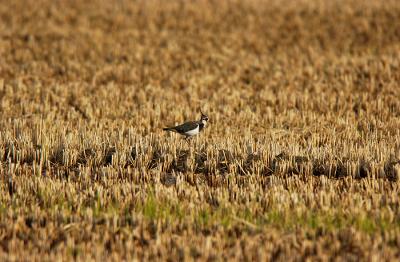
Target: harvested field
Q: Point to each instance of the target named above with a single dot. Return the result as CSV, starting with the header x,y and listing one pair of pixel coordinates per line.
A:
x,y
300,160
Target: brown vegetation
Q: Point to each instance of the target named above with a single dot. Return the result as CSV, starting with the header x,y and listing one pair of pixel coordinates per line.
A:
x,y
301,159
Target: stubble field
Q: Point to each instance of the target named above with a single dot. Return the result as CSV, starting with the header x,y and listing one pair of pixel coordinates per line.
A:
x,y
300,160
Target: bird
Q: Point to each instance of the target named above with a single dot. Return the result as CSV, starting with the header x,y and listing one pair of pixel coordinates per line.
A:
x,y
191,128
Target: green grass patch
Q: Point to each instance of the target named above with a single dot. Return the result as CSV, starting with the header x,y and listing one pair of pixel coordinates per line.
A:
x,y
288,220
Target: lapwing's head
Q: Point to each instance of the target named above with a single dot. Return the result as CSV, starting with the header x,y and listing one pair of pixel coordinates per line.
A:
x,y
204,118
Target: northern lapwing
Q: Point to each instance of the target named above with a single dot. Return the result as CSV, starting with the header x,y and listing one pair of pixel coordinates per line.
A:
x,y
191,128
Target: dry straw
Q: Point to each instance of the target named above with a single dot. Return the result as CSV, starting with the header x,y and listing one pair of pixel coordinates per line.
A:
x,y
300,159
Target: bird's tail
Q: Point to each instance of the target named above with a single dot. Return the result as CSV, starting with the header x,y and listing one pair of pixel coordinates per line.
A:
x,y
168,129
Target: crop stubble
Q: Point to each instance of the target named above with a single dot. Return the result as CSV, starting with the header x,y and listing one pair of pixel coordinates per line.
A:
x,y
300,160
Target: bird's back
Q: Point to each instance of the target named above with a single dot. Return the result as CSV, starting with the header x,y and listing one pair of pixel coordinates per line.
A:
x,y
183,128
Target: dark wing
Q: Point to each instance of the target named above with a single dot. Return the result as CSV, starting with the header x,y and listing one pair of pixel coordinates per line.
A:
x,y
186,127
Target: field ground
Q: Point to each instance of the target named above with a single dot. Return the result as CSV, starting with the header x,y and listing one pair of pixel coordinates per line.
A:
x,y
301,159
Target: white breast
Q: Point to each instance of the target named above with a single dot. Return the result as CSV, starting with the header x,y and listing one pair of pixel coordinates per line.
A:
x,y
192,132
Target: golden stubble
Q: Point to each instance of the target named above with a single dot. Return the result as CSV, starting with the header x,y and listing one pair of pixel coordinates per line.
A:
x,y
300,159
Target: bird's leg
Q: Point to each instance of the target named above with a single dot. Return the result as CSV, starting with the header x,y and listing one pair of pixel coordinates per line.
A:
x,y
187,139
